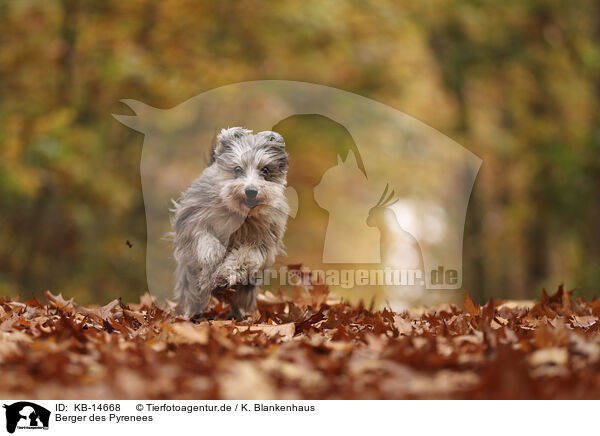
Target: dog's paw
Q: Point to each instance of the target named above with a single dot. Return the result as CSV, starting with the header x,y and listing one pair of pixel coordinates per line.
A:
x,y
222,281
227,276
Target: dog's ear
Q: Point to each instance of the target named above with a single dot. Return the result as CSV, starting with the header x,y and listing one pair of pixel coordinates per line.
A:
x,y
227,138
274,145
272,138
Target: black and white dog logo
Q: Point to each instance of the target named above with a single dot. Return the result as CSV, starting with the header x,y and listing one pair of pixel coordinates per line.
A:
x,y
26,415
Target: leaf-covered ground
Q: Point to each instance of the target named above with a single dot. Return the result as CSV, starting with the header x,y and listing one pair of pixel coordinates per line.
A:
x,y
304,347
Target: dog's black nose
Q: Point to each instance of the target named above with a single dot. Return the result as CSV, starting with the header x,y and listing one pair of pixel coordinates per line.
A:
x,y
251,192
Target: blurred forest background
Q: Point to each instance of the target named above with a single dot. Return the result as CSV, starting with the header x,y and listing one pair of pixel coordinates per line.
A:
x,y
517,82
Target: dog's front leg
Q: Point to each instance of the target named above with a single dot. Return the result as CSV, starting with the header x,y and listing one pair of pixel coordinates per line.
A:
x,y
240,267
197,255
210,251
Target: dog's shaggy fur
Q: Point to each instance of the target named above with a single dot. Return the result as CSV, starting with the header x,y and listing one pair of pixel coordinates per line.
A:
x,y
229,224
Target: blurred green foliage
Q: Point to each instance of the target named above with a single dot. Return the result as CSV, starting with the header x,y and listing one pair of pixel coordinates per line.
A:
x,y
516,81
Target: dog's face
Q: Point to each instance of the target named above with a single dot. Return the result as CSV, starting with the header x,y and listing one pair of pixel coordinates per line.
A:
x,y
252,170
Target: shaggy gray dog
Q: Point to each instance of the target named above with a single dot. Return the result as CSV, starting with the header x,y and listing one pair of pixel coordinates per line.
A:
x,y
229,224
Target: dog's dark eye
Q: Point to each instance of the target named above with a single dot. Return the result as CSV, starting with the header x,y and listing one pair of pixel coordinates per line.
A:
x,y
238,171
265,171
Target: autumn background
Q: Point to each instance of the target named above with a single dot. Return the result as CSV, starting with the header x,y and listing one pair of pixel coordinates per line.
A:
x,y
516,82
